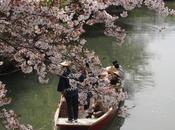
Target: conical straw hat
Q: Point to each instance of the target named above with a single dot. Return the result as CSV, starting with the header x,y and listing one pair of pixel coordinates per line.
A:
x,y
1,62
65,63
112,69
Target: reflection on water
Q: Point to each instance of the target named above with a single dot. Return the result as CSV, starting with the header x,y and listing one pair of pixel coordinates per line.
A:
x,y
155,106
37,103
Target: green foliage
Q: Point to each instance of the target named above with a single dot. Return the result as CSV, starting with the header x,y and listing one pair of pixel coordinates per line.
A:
x,y
170,4
63,3
50,3
47,2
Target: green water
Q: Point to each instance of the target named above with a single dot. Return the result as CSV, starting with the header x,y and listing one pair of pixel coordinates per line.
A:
x,y
35,103
146,56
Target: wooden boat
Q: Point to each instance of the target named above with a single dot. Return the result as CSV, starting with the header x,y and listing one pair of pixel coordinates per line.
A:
x,y
83,123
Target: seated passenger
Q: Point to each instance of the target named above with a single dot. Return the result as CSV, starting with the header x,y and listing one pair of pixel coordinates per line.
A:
x,y
119,68
114,76
116,73
94,110
98,108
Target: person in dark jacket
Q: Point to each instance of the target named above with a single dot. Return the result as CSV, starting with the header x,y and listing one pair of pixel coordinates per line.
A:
x,y
69,92
119,68
64,80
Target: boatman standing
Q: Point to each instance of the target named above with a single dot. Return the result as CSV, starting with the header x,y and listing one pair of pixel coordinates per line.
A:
x,y
69,92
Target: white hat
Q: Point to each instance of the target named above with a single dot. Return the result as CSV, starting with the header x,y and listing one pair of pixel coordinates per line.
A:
x,y
1,62
65,63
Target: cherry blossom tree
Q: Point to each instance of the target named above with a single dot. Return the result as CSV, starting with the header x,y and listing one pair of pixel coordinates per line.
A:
x,y
38,35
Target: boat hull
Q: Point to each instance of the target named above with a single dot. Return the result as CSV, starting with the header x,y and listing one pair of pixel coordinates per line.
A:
x,y
97,126
83,124
103,123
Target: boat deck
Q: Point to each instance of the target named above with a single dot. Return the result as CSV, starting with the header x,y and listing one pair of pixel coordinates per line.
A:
x,y
81,122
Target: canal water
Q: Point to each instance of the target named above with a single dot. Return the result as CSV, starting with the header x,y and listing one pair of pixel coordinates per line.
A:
x,y
148,59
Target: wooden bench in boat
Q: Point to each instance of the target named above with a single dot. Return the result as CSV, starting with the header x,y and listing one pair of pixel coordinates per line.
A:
x,y
81,122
